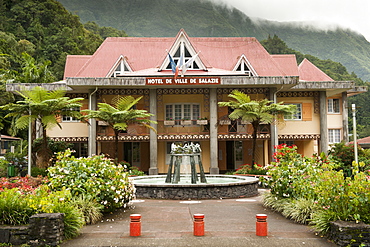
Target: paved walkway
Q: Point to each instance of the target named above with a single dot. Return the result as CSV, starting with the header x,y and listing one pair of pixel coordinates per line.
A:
x,y
228,222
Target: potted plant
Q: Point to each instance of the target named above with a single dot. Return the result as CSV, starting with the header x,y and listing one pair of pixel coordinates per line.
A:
x,y
169,121
225,122
185,122
202,121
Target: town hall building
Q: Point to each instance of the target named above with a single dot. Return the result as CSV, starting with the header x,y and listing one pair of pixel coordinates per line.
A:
x,y
182,79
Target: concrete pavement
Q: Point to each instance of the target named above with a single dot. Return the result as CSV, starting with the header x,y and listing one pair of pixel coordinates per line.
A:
x,y
228,222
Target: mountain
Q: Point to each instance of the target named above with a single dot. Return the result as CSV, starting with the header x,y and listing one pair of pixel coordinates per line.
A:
x,y
202,18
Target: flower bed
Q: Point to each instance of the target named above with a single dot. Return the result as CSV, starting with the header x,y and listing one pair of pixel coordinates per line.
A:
x,y
78,188
96,177
312,190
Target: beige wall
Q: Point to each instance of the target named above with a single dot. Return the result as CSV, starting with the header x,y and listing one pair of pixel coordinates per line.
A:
x,y
69,129
335,121
300,126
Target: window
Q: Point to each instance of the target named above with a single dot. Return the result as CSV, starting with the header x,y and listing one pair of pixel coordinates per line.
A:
x,y
243,67
333,106
121,69
187,56
186,111
71,119
297,115
334,135
80,149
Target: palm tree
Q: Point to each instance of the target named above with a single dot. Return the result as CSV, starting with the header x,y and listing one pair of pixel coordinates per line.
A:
x,y
45,107
119,115
256,112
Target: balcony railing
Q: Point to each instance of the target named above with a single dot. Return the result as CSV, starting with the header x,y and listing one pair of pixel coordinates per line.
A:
x,y
187,127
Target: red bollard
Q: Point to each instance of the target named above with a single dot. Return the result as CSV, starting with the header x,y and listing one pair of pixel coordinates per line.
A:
x,y
261,225
198,224
135,225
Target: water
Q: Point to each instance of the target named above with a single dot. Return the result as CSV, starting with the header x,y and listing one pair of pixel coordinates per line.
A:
x,y
187,180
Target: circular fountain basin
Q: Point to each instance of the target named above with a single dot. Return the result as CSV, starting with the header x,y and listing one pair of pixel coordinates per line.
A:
x,y
217,186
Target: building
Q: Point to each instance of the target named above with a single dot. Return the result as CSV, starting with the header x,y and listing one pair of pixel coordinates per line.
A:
x,y
211,69
6,144
363,142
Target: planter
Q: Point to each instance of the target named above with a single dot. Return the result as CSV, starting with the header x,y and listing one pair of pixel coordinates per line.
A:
x,y
169,122
225,122
202,122
185,122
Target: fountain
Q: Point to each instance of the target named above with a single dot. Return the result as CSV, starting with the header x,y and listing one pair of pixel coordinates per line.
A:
x,y
183,187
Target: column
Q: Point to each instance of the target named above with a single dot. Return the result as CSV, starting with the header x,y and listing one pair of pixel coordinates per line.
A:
x,y
345,116
324,143
273,128
153,143
92,125
213,140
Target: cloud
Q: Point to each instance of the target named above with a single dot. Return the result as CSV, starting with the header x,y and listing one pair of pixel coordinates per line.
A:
x,y
323,14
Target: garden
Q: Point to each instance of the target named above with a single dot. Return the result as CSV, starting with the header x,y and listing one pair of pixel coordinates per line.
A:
x,y
83,189
320,189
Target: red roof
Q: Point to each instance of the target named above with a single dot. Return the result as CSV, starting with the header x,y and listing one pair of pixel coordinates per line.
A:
x,y
309,72
365,140
74,64
287,63
219,55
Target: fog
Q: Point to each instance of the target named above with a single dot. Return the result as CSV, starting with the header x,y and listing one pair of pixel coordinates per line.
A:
x,y
322,14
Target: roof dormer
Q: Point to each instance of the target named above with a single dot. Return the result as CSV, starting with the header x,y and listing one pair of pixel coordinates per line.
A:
x,y
183,54
120,68
244,66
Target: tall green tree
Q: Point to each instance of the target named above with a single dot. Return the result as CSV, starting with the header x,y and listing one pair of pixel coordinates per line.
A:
x,y
256,112
44,107
119,115
33,72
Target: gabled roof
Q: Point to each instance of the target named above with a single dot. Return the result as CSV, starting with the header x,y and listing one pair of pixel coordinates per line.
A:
x,y
363,141
309,72
74,63
146,55
287,63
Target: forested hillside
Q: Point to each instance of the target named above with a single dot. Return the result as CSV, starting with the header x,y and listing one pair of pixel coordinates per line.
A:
x,y
47,31
152,18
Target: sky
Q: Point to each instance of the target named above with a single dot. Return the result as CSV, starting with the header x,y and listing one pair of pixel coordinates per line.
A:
x,y
324,14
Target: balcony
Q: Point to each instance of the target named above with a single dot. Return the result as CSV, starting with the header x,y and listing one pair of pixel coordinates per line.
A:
x,y
168,129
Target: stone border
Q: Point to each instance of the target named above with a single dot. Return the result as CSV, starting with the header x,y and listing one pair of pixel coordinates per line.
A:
x,y
243,187
42,230
349,233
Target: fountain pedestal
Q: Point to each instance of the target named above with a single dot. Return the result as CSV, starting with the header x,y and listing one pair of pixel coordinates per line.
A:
x,y
175,164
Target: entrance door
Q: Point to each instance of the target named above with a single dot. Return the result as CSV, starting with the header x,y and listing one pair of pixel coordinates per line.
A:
x,y
131,153
234,154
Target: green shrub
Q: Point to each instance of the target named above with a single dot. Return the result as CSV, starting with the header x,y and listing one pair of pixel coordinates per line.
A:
x,y
313,190
90,208
96,177
3,168
14,209
73,218
45,201
344,155
248,169
132,170
38,171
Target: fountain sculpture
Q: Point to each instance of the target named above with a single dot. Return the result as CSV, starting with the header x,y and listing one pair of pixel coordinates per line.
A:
x,y
175,185
178,152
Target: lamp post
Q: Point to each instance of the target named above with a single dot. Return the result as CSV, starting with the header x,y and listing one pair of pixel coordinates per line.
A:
x,y
29,144
354,132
